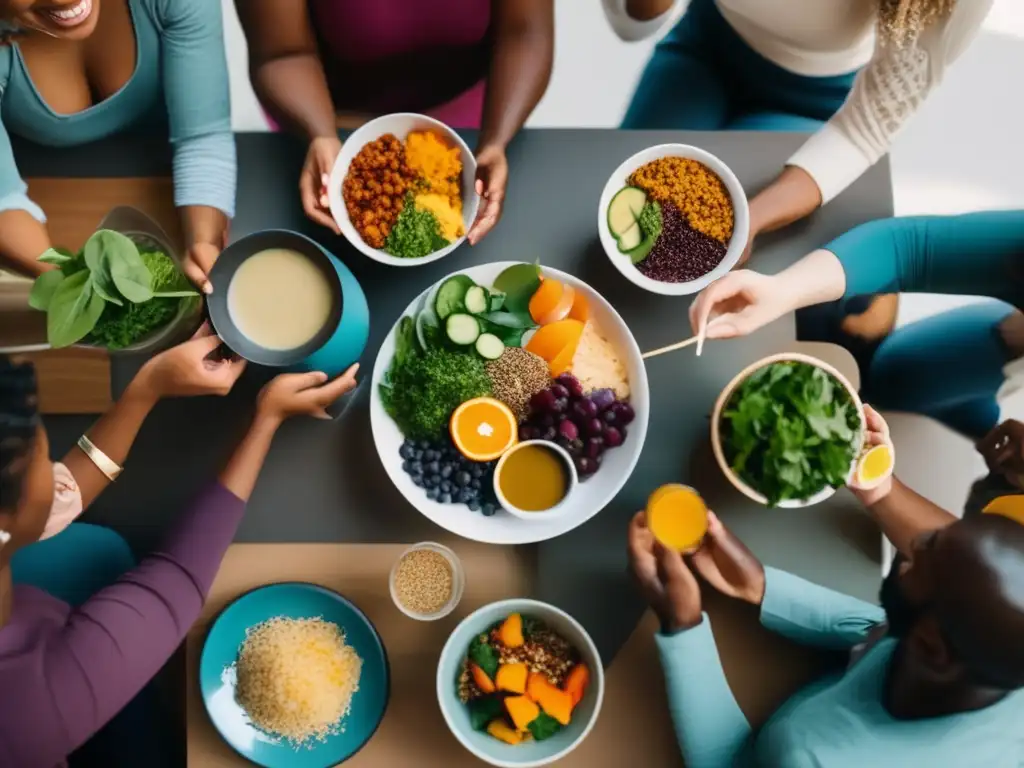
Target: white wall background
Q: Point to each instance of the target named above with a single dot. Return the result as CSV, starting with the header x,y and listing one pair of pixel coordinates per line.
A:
x,y
964,151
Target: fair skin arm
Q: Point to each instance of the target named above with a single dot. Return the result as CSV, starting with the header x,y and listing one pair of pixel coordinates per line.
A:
x,y
791,197
22,241
182,370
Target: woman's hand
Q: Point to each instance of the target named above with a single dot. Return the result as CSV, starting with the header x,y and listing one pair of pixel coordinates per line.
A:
x,y
664,578
738,304
1003,451
877,434
726,564
199,260
292,394
190,369
491,179
316,173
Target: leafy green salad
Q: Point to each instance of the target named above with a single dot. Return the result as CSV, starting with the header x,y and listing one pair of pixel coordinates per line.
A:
x,y
789,430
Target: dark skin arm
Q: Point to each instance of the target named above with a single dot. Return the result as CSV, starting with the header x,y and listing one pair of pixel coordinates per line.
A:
x,y
206,235
521,59
645,10
22,241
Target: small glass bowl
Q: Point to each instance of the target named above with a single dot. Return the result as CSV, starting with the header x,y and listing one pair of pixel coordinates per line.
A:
x,y
458,581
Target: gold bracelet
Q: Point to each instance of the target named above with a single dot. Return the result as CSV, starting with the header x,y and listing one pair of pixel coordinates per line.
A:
x,y
110,468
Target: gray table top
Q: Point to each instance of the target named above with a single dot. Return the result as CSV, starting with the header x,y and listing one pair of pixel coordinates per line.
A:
x,y
324,482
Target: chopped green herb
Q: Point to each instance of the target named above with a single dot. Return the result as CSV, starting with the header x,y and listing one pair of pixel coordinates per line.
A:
x,y
483,710
790,430
484,656
416,233
650,219
544,727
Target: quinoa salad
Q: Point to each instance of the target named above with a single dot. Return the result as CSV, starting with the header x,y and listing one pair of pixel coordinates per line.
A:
x,y
521,681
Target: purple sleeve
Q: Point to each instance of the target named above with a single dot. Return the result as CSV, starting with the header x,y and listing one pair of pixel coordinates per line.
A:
x,y
115,643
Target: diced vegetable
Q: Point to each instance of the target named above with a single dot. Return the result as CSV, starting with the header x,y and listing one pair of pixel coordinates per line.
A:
x,y
535,684
484,656
512,677
489,346
451,296
630,239
576,682
511,632
522,711
624,209
500,730
461,329
483,682
483,711
476,300
553,700
544,726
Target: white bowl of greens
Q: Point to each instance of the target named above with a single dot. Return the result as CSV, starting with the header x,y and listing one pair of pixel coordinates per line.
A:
x,y
787,430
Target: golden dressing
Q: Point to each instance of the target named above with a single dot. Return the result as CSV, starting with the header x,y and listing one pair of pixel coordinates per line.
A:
x,y
534,478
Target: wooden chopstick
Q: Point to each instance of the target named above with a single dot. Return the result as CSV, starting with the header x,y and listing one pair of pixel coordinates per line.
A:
x,y
698,340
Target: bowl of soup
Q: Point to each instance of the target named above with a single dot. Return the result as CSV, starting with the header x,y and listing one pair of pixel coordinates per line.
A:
x,y
281,300
534,479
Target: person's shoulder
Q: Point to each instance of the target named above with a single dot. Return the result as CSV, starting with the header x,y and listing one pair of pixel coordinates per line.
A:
x,y
169,12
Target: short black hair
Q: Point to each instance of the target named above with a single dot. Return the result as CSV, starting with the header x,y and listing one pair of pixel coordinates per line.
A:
x,y
19,420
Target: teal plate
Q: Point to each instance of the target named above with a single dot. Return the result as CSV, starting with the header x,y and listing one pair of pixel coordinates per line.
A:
x,y
294,601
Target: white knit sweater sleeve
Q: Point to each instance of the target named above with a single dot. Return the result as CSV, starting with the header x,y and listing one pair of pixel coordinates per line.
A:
x,y
631,30
885,94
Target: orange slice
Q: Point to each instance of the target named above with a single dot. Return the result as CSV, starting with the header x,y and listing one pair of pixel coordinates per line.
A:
x,y
551,302
875,465
483,429
551,340
677,516
580,308
1007,506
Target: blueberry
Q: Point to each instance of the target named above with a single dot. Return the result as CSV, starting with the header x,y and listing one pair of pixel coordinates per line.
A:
x,y
446,471
446,486
416,467
424,445
407,467
476,485
445,498
417,480
417,455
465,498
462,478
432,481
406,451
432,494
488,509
434,467
477,472
474,505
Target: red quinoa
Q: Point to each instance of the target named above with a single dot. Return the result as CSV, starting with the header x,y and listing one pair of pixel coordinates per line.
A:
x,y
681,253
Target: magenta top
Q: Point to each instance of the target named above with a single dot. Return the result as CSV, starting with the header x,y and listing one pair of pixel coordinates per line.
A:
x,y
65,672
428,56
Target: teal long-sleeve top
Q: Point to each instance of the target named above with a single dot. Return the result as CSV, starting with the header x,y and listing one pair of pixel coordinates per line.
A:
x,y
838,721
179,87
972,254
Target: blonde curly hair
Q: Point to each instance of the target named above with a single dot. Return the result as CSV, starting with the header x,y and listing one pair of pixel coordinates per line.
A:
x,y
900,22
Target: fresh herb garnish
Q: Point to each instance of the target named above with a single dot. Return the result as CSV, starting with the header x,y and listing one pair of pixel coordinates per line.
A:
x,y
790,430
484,656
416,233
650,220
483,710
544,726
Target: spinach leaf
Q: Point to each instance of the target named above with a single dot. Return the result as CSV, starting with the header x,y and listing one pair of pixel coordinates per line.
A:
x,y
790,430
519,282
58,256
484,656
483,710
43,289
518,320
121,258
544,727
73,310
405,341
97,259
174,294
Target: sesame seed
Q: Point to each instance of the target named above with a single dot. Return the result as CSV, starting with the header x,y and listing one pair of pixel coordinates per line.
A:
x,y
423,581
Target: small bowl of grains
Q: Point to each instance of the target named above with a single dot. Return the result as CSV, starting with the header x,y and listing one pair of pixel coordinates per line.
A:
x,y
673,219
427,581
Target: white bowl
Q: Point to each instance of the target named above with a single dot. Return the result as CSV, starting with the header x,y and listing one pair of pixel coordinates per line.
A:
x,y
545,514
590,496
723,398
740,230
458,581
529,754
401,124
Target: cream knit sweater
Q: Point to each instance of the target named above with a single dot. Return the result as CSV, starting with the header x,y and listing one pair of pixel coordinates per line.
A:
x,y
830,37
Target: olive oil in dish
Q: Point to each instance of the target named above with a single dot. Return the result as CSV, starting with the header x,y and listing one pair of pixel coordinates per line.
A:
x,y
534,478
279,299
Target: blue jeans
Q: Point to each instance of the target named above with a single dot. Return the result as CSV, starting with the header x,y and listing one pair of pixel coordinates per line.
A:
x,y
704,77
72,566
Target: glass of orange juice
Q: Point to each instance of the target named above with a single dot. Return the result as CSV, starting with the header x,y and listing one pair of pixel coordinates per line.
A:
x,y
677,516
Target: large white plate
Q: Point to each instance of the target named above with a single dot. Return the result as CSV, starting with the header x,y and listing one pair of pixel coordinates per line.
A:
x,y
587,500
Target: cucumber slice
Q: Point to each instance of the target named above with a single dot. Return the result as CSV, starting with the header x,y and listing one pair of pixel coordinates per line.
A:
x,y
462,329
624,209
497,301
426,328
643,250
476,300
451,296
489,346
631,238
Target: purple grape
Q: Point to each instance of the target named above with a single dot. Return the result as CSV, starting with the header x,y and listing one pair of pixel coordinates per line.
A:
x,y
571,383
594,447
528,432
558,390
585,467
549,434
613,438
602,398
593,427
561,405
546,420
584,409
610,417
542,401
575,447
568,430
623,413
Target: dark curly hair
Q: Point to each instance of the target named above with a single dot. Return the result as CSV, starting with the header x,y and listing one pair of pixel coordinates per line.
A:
x,y
19,418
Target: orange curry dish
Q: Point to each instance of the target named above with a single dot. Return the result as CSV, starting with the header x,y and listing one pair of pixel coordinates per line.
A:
x,y
375,186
